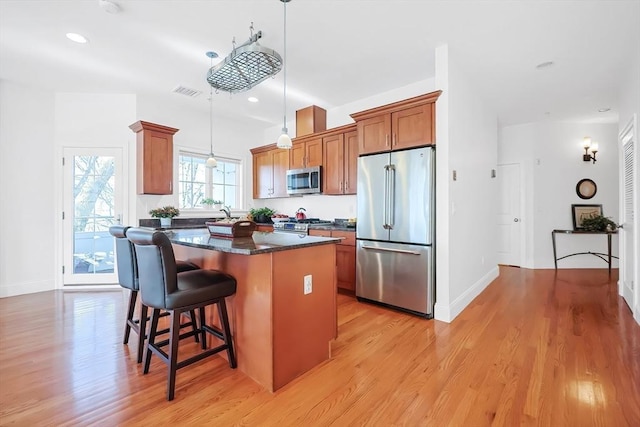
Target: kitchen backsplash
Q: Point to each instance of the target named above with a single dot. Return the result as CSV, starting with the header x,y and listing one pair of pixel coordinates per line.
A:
x,y
316,206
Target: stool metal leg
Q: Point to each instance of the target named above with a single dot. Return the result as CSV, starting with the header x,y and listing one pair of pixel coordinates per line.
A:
x,y
203,332
142,330
174,339
151,340
127,324
224,320
194,324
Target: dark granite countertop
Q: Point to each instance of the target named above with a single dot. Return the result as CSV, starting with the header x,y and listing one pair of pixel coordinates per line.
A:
x,y
259,243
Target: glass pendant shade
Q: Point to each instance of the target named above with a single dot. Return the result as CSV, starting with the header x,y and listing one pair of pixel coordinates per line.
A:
x,y
284,140
211,161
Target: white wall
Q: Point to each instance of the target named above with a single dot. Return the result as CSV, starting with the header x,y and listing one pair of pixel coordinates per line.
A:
x,y
27,192
550,155
467,220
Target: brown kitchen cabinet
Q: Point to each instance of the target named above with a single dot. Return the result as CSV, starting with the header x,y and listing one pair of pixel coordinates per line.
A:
x,y
270,166
305,153
405,124
340,161
154,157
345,256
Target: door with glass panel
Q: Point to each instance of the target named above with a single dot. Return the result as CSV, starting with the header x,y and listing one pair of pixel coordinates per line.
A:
x,y
92,196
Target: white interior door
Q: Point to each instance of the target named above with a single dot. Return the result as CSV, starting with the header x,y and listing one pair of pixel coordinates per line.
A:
x,y
628,239
92,203
509,214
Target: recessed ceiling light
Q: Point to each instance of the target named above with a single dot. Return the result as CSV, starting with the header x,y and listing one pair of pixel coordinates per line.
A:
x,y
544,65
78,38
252,99
604,110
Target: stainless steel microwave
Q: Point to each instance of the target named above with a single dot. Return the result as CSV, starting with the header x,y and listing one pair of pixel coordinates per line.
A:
x,y
304,181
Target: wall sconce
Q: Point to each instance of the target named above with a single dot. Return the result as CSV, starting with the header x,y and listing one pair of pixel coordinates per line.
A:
x,y
589,147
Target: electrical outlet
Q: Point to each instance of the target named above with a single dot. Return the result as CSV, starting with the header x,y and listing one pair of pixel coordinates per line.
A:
x,y
308,284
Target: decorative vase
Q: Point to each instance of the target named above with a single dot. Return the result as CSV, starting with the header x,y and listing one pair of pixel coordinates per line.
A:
x,y
165,222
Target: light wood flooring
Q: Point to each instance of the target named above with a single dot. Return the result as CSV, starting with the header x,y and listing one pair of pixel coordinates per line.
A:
x,y
534,348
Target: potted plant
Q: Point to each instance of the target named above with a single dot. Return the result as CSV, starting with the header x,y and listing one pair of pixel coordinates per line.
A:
x,y
598,223
212,203
262,215
165,214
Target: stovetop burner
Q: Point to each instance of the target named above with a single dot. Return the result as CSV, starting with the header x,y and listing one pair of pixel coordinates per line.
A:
x,y
310,221
300,226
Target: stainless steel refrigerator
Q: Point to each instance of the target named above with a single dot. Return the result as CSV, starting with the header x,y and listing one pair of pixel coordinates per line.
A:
x,y
396,231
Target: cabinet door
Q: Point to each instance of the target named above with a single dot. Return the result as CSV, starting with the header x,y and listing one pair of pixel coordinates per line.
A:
x,y
412,127
280,165
313,152
297,155
350,174
158,163
333,170
154,157
265,228
321,233
262,175
346,267
374,134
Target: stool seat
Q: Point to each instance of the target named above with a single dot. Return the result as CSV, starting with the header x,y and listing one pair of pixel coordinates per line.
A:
x,y
195,287
161,287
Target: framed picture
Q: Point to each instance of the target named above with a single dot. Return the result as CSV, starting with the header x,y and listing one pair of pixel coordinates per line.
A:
x,y
582,212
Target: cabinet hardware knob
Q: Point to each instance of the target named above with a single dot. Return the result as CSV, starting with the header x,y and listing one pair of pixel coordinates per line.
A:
x,y
386,140
395,140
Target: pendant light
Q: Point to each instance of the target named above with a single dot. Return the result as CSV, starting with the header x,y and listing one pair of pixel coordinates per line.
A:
x,y
211,161
284,141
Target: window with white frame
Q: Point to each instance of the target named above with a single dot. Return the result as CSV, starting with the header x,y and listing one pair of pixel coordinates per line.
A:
x,y
197,182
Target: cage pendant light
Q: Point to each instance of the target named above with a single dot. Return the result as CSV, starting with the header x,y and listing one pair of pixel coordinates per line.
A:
x,y
211,161
284,141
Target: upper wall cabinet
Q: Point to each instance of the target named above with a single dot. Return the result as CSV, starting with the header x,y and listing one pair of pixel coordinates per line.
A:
x,y
404,124
270,165
154,157
340,161
306,152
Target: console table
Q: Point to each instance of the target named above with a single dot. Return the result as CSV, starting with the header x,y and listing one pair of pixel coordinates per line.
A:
x,y
598,254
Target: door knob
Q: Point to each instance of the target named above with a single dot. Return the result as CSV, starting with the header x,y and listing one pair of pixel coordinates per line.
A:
x,y
515,220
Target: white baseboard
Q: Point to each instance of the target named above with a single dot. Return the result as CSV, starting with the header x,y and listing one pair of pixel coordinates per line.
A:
x,y
26,288
447,313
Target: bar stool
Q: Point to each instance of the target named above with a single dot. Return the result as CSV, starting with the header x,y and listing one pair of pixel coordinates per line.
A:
x,y
128,278
162,288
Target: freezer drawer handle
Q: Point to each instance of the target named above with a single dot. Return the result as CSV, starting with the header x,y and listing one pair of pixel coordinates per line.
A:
x,y
402,251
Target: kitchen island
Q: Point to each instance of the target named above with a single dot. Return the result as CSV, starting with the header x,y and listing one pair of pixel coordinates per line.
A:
x,y
279,332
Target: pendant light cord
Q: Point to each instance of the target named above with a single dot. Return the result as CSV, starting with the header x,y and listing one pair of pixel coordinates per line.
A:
x,y
211,120
284,124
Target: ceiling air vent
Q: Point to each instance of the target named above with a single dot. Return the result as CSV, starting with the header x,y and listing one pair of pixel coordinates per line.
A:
x,y
192,93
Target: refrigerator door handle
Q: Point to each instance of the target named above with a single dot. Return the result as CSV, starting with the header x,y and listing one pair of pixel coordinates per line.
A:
x,y
385,206
400,251
392,196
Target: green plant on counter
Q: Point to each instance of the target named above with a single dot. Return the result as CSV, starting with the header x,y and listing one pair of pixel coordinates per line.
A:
x,y
164,212
599,223
261,214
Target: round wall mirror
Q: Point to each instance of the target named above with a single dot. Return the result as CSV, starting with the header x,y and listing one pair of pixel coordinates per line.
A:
x,y
586,188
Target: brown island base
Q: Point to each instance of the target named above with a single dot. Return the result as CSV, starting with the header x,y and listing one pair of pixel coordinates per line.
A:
x,y
279,332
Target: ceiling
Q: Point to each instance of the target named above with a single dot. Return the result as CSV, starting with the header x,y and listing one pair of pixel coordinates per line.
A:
x,y
338,51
